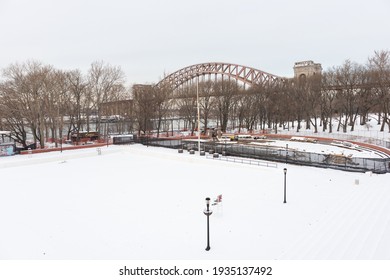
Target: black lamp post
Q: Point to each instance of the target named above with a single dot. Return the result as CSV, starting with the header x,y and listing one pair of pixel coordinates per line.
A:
x,y
208,212
285,173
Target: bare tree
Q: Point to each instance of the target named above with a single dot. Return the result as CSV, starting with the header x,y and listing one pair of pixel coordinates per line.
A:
x,y
162,98
13,112
328,97
206,101
144,107
187,104
225,90
313,100
246,109
77,87
105,83
260,97
379,66
28,84
349,81
298,101
59,99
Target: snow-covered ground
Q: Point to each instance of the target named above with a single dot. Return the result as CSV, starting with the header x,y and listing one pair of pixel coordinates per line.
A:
x,y
137,202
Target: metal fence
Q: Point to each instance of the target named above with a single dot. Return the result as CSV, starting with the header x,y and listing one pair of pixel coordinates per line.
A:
x,y
341,162
377,138
311,159
244,161
160,142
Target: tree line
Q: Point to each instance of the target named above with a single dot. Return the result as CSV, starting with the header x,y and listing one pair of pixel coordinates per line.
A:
x,y
41,101
348,93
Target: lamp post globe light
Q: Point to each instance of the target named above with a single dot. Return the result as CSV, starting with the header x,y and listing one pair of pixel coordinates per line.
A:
x,y
285,173
208,212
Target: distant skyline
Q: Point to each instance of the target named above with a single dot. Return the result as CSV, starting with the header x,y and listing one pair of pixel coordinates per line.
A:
x,y
149,38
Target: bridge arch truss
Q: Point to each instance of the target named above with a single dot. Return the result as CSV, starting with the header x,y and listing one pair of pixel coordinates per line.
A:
x,y
246,75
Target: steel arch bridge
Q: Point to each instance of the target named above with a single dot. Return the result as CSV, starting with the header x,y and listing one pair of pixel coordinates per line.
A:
x,y
244,74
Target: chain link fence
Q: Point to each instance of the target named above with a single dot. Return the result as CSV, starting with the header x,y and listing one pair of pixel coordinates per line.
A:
x,y
377,138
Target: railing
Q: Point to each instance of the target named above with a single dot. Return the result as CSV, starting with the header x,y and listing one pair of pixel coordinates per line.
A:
x,y
377,138
244,161
376,165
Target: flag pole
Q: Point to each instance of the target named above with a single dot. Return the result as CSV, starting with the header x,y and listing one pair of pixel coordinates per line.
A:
x,y
197,103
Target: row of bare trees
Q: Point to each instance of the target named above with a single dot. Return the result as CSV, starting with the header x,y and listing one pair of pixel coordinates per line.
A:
x,y
39,100
347,94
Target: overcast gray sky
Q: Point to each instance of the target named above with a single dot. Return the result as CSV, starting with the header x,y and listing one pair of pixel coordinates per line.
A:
x,y
148,38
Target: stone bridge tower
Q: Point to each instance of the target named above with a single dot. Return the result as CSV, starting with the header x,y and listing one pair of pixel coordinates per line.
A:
x,y
305,69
